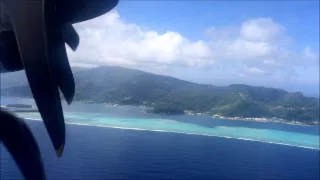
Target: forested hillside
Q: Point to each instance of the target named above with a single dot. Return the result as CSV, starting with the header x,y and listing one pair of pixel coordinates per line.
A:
x,y
134,87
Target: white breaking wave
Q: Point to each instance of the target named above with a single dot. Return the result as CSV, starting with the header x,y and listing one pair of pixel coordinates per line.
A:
x,y
179,132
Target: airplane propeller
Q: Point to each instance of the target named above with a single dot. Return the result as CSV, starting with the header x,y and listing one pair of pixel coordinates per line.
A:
x,y
33,34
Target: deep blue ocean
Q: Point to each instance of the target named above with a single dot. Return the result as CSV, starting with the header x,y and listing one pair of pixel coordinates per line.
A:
x,y
106,153
110,153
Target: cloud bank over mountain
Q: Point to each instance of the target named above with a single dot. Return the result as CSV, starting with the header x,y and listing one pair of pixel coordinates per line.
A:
x,y
258,49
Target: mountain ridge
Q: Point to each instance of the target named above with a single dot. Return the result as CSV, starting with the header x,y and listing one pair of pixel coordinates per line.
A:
x,y
165,94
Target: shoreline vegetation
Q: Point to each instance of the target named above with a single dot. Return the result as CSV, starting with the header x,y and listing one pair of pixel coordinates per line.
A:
x,y
164,110
175,111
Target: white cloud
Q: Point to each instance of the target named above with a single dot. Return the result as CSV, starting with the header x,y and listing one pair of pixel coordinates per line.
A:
x,y
253,71
261,29
256,47
109,40
310,55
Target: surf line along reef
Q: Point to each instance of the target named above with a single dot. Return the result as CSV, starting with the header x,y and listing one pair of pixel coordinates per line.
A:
x,y
170,124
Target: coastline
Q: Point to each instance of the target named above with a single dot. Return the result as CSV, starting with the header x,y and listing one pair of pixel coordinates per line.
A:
x,y
190,113
255,119
19,107
267,121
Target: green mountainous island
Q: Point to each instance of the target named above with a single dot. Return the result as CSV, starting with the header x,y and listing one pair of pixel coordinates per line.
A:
x,y
168,95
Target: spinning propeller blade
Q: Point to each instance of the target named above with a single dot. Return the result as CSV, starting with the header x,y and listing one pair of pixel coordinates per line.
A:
x,y
33,34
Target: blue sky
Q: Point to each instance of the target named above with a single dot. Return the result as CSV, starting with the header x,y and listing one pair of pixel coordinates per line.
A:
x,y
268,43
190,18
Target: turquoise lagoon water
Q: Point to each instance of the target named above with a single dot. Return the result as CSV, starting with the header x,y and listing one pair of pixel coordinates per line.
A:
x,y
126,117
172,125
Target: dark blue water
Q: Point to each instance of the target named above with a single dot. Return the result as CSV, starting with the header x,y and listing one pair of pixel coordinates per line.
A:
x,y
105,153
